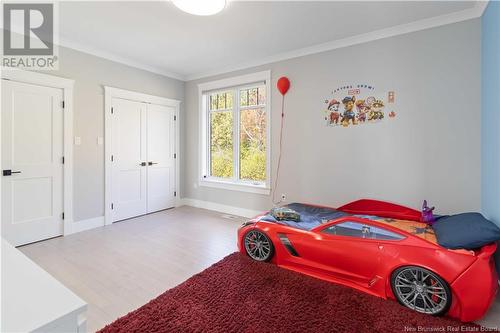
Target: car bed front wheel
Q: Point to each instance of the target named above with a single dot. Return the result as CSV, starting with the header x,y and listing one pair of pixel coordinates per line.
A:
x,y
421,290
258,246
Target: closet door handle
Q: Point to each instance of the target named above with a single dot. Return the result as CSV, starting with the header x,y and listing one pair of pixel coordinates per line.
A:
x,y
151,163
143,164
9,172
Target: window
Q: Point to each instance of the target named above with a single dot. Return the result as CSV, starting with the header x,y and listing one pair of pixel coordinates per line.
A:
x,y
221,134
355,229
235,133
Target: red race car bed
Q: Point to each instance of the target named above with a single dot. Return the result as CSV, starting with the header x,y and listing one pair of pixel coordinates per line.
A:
x,y
380,248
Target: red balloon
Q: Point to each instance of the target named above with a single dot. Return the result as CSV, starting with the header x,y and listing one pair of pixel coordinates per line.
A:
x,y
283,85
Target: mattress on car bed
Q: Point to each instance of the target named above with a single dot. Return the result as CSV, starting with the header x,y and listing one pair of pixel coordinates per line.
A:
x,y
313,216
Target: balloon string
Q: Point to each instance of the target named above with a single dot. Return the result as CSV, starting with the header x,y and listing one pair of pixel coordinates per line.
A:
x,y
279,153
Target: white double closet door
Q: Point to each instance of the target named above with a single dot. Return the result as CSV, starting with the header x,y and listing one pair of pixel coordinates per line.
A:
x,y
143,160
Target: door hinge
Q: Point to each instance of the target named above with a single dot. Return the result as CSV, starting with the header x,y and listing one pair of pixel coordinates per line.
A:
x,y
63,160
112,110
63,105
175,117
112,158
175,155
175,193
112,206
63,215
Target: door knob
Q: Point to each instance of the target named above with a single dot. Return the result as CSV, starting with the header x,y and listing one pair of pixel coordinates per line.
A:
x,y
9,172
151,163
143,164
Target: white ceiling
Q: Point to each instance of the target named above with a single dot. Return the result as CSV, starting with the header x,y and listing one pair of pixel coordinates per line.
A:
x,y
159,37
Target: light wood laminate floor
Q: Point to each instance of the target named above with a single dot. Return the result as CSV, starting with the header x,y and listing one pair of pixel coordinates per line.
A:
x,y
120,267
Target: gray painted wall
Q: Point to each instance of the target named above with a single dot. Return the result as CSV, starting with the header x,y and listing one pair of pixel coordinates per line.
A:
x,y
430,151
91,74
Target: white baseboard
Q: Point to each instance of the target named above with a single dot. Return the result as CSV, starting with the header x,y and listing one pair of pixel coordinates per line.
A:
x,y
220,207
74,227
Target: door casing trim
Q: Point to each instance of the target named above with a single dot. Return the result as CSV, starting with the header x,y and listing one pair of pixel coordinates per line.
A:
x,y
66,85
109,94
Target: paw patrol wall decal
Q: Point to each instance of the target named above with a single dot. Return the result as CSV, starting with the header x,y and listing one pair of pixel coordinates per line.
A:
x,y
358,104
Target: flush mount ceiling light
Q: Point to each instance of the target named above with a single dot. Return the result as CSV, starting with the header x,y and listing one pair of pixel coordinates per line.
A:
x,y
200,7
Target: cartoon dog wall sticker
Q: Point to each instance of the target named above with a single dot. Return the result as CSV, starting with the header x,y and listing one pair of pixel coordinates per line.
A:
x,y
333,114
363,109
376,110
356,108
349,114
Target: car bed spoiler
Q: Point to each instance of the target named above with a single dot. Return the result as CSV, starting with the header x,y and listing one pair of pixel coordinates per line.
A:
x,y
382,209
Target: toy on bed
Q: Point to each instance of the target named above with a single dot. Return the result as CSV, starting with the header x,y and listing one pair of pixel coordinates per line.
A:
x,y
308,216
284,214
427,215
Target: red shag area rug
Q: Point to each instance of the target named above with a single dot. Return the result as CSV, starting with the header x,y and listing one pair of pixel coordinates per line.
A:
x,y
238,294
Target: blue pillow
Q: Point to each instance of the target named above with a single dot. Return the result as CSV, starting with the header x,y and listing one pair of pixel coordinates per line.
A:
x,y
465,231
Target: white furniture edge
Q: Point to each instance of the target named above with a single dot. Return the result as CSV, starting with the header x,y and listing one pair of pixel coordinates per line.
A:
x,y
232,210
25,279
109,94
67,86
203,133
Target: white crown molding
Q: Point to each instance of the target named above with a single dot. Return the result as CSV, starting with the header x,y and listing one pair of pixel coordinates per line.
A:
x,y
119,59
480,6
64,42
402,29
428,23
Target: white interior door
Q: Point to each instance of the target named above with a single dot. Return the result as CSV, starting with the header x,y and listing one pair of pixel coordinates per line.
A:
x,y
129,159
32,152
161,162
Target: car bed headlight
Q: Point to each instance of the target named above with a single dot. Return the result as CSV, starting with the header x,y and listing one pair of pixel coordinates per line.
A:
x,y
247,223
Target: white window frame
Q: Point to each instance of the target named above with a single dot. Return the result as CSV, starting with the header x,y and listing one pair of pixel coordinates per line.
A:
x,y
235,83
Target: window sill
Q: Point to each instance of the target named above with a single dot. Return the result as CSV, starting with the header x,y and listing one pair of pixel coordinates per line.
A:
x,y
242,187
